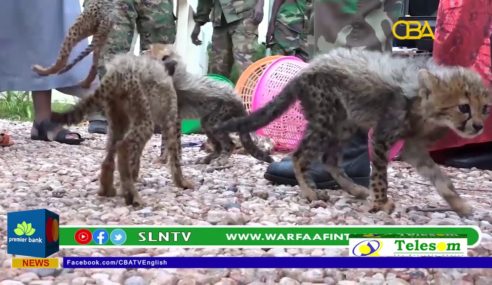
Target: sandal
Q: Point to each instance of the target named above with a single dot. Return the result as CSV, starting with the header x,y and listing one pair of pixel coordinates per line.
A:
x,y
45,131
5,140
98,127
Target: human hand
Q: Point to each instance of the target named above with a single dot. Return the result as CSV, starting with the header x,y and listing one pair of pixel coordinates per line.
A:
x,y
257,16
194,35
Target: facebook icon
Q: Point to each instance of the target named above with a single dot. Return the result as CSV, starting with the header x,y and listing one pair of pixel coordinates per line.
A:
x,y
100,236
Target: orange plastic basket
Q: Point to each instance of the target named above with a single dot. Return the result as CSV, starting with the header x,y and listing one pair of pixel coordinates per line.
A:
x,y
246,84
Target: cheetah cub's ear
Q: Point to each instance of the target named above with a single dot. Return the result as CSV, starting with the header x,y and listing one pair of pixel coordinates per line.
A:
x,y
161,51
427,82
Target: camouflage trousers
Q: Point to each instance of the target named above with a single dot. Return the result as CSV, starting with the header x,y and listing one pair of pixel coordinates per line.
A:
x,y
301,53
153,19
355,23
288,42
233,43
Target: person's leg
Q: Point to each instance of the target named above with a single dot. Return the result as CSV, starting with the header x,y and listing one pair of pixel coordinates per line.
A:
x,y
244,36
42,105
220,61
43,128
156,22
119,41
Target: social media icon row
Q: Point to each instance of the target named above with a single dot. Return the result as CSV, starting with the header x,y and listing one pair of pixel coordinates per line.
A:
x,y
100,237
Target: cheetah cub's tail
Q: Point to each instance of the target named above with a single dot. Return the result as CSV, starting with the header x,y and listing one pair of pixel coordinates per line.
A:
x,y
82,55
265,115
253,149
86,105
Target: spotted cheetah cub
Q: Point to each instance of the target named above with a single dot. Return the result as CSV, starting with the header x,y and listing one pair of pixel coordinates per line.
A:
x,y
411,99
95,21
201,97
135,93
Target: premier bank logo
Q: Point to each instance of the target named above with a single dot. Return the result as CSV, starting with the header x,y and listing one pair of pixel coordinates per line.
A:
x,y
33,233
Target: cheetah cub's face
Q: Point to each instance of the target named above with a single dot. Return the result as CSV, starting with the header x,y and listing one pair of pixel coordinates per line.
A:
x,y
458,100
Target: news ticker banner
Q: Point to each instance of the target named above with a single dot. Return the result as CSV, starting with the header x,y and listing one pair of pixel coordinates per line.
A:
x,y
36,235
277,262
442,245
248,236
253,262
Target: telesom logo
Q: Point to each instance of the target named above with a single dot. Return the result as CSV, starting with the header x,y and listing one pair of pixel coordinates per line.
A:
x,y
367,248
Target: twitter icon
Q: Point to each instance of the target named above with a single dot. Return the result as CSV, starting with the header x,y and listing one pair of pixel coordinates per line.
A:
x,y
118,237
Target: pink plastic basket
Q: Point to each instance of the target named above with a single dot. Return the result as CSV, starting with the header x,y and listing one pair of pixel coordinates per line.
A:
x,y
394,151
287,130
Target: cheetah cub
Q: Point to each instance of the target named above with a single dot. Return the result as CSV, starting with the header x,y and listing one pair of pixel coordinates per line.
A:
x,y
210,101
136,93
96,21
411,99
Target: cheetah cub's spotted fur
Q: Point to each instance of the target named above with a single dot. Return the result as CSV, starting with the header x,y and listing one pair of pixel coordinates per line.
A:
x,y
411,99
136,93
264,143
95,21
200,97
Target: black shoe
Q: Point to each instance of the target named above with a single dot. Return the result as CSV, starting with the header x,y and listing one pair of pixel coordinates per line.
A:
x,y
355,163
98,127
476,155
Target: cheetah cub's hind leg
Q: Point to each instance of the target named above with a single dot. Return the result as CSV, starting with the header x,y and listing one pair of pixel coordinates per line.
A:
x,y
106,179
129,150
173,139
332,158
216,149
306,152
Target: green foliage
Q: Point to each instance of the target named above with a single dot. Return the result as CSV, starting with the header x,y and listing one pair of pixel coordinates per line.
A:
x,y
17,105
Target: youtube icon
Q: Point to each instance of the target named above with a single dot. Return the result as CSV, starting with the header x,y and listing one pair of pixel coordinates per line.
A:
x,y
83,236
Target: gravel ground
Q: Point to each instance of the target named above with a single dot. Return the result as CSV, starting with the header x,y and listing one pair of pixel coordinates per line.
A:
x,y
63,178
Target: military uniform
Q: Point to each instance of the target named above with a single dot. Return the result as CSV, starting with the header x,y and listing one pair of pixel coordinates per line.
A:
x,y
235,35
153,19
287,28
355,23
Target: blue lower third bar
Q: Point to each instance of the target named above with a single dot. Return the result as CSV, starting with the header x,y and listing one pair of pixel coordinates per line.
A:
x,y
277,262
